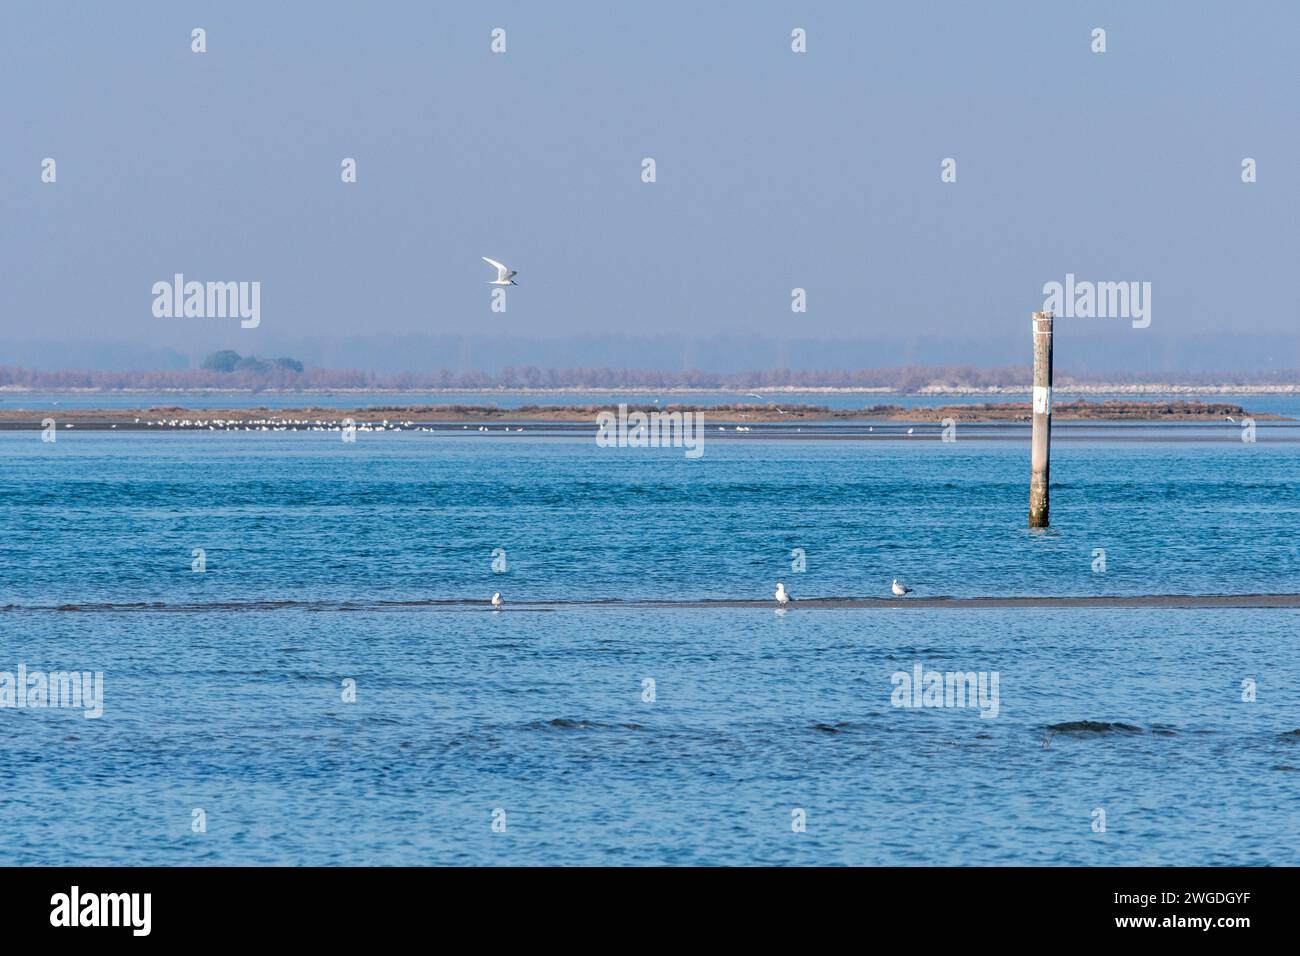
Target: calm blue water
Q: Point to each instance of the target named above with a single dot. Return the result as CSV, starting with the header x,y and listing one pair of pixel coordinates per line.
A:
x,y
540,713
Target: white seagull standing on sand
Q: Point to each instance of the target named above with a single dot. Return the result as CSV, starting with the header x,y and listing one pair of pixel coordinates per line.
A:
x,y
782,598
504,275
496,599
900,589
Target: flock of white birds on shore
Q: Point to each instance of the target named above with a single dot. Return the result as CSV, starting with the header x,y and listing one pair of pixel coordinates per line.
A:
x,y
783,597
301,424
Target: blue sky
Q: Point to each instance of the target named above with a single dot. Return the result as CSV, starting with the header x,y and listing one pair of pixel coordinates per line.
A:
x,y
774,171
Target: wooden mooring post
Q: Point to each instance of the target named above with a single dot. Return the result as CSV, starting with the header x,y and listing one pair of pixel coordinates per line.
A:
x,y
1040,456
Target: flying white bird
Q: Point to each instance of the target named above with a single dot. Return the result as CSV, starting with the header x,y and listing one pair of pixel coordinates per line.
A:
x,y
900,589
504,276
782,598
496,599
1231,419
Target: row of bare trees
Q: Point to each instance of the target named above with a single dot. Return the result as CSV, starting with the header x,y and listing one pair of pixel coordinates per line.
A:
x,y
286,374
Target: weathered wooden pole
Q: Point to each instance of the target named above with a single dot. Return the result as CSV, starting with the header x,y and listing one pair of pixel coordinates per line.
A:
x,y
1040,456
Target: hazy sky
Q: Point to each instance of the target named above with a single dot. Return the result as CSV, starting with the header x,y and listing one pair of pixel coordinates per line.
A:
x,y
775,170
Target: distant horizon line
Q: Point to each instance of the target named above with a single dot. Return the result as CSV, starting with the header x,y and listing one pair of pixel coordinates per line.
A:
x,y
228,370
878,381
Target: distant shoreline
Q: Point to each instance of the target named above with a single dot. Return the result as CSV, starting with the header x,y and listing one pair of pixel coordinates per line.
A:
x,y
397,417
1153,388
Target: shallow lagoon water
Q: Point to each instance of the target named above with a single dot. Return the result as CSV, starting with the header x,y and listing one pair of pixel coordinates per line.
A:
x,y
109,518
460,712
755,715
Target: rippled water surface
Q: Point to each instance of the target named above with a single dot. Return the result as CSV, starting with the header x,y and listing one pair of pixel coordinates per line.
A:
x,y
543,713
